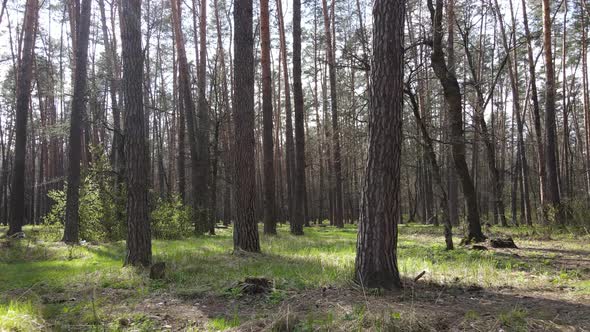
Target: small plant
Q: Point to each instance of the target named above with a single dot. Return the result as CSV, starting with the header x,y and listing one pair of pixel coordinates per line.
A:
x,y
101,207
222,323
515,319
171,219
20,316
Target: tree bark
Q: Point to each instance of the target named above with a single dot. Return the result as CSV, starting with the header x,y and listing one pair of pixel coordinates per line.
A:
x,y
536,107
376,258
189,107
139,243
335,134
452,94
289,144
300,215
553,196
71,224
270,224
202,176
245,228
23,97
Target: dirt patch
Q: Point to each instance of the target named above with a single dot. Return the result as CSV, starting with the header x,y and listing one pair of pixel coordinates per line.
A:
x,y
425,306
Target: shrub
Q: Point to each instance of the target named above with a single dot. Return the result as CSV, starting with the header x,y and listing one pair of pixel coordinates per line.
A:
x,y
101,208
170,219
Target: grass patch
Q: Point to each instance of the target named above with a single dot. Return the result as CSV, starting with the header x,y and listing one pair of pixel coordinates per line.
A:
x,y
20,316
67,285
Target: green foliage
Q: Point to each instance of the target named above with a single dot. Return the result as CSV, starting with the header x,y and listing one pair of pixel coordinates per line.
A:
x,y
20,316
515,319
101,207
171,219
223,323
577,213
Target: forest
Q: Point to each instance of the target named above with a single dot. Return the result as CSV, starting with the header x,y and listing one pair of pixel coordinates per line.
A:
x,y
294,165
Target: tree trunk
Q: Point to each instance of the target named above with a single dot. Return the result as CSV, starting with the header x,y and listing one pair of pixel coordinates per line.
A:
x,y
536,107
553,197
189,107
23,97
336,159
202,176
300,215
270,224
117,154
139,243
376,258
452,184
436,173
586,95
246,228
71,224
289,144
452,94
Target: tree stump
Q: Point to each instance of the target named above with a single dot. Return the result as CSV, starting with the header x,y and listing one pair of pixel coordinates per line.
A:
x,y
503,243
158,271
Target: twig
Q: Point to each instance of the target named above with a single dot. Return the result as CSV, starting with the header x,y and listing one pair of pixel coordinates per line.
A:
x,y
419,276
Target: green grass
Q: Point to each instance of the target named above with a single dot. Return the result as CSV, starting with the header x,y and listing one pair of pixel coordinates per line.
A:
x,y
54,282
20,316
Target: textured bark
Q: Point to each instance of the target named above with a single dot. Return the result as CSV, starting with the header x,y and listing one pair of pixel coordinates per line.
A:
x,y
513,69
319,133
452,94
376,258
585,95
117,154
496,179
189,107
270,223
536,107
452,183
436,172
71,224
245,228
335,134
553,197
202,176
300,215
565,176
139,245
23,97
289,144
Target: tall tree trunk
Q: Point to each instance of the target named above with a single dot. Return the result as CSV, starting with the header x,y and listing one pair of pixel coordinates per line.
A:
x,y
289,144
524,166
452,94
71,225
202,195
117,156
586,94
553,197
23,97
437,177
300,215
376,257
270,224
336,159
565,183
246,228
452,184
139,243
189,107
536,107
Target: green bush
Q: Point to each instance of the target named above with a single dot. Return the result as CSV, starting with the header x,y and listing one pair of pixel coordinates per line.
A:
x,y
171,219
101,207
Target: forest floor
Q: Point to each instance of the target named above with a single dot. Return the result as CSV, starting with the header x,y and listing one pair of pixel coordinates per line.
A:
x,y
542,286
